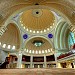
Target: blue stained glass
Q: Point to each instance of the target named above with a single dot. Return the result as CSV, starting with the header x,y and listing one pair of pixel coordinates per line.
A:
x,y
25,36
50,35
71,39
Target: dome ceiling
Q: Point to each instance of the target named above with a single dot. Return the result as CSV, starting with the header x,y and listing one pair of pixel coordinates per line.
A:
x,y
38,45
37,20
11,36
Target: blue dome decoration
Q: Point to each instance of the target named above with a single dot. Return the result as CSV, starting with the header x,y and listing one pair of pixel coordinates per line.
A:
x,y
25,36
50,35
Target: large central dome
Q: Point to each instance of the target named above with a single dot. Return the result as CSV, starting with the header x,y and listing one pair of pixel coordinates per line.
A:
x,y
37,20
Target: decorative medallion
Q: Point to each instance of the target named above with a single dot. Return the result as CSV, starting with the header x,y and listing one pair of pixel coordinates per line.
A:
x,y
25,36
50,35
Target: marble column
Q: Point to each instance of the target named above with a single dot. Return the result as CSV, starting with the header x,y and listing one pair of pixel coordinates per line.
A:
x,y
31,62
55,55
19,62
45,64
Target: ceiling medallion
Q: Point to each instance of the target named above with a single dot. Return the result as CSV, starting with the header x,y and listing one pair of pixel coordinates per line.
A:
x,y
50,35
25,36
37,12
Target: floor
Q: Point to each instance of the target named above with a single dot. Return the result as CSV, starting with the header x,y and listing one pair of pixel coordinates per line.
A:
x,y
53,71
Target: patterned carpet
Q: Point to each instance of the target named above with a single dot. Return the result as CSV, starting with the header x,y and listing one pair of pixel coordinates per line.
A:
x,y
53,71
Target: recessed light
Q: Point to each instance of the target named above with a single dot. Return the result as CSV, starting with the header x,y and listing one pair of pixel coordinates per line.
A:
x,y
53,23
43,51
44,30
24,27
30,51
4,45
39,52
41,31
27,29
50,26
37,31
13,47
30,30
36,52
48,50
47,28
8,46
27,50
0,43
33,31
51,49
33,51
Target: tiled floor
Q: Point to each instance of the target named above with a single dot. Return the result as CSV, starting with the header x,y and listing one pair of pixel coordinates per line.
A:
x,y
52,71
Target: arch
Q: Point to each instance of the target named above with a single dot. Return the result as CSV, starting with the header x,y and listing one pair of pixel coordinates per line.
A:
x,y
11,36
31,7
18,28
61,36
57,34
39,37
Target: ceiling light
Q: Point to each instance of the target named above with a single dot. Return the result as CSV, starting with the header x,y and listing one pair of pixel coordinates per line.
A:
x,y
30,30
27,50
41,31
33,31
53,23
37,31
39,52
51,49
47,28
50,26
33,51
4,45
36,52
0,43
43,51
27,29
13,47
24,27
8,46
30,51
48,50
44,30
